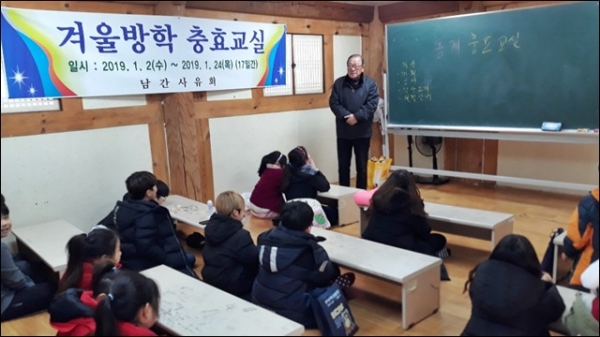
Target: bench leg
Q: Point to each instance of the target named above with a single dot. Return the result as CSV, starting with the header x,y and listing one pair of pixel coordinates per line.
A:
x,y
420,296
364,220
555,263
347,210
500,231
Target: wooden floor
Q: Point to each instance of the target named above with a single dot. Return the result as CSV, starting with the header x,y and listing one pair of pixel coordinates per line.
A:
x,y
375,304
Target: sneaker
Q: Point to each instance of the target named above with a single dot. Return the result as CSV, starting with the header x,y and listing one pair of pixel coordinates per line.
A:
x,y
444,253
346,280
195,240
444,273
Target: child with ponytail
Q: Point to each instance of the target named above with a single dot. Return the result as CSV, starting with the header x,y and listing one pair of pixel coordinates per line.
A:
x,y
99,246
266,199
130,308
72,312
302,179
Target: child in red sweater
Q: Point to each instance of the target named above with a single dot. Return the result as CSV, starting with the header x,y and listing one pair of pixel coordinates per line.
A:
x,y
101,245
267,197
72,311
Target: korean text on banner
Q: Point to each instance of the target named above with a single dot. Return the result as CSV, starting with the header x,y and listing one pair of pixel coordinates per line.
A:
x,y
71,54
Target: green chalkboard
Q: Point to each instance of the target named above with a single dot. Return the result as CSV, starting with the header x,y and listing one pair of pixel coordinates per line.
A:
x,y
515,68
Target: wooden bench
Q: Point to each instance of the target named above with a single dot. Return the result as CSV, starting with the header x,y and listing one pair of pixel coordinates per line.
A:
x,y
186,210
418,274
344,196
568,296
190,307
47,241
474,223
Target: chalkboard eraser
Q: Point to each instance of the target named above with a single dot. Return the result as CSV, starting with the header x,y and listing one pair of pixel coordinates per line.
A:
x,y
551,126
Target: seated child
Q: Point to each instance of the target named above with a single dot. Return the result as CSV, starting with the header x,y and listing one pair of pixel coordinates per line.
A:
x,y
292,266
100,246
582,320
146,228
162,192
130,308
398,217
510,295
230,255
21,294
581,242
266,198
302,179
72,312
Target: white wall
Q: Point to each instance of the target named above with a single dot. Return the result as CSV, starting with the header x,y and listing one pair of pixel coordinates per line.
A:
x,y
76,176
238,143
571,163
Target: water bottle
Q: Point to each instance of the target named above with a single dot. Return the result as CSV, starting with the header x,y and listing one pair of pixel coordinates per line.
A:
x,y
210,207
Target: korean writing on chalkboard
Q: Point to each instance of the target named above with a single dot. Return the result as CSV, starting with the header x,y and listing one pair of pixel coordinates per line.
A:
x,y
109,40
485,44
479,44
412,92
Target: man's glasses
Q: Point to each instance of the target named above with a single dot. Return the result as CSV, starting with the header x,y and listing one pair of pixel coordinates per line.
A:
x,y
354,66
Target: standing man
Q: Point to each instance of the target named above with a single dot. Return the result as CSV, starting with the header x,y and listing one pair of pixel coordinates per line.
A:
x,y
353,100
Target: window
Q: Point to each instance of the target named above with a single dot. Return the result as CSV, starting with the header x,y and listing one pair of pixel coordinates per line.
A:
x,y
304,67
24,104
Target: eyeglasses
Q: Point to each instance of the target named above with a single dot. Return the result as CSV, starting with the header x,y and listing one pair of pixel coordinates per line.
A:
x,y
354,66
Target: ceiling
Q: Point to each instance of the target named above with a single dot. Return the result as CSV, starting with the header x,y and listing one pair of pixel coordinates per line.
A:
x,y
368,3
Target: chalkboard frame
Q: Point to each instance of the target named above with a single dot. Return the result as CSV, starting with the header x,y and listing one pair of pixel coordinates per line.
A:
x,y
514,131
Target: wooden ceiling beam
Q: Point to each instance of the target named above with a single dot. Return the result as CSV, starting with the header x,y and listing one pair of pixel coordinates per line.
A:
x,y
318,10
411,9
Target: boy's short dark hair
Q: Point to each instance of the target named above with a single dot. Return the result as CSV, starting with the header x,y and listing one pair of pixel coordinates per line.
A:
x,y
4,210
140,182
162,189
297,215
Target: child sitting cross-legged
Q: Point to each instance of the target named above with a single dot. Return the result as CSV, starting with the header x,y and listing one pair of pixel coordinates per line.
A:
x,y
293,265
230,255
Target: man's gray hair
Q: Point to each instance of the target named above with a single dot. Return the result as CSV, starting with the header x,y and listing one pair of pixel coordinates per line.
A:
x,y
362,60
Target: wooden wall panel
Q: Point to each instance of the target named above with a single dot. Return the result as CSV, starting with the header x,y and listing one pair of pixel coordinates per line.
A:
x,y
409,10
294,25
205,158
83,6
158,145
316,10
373,53
74,118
